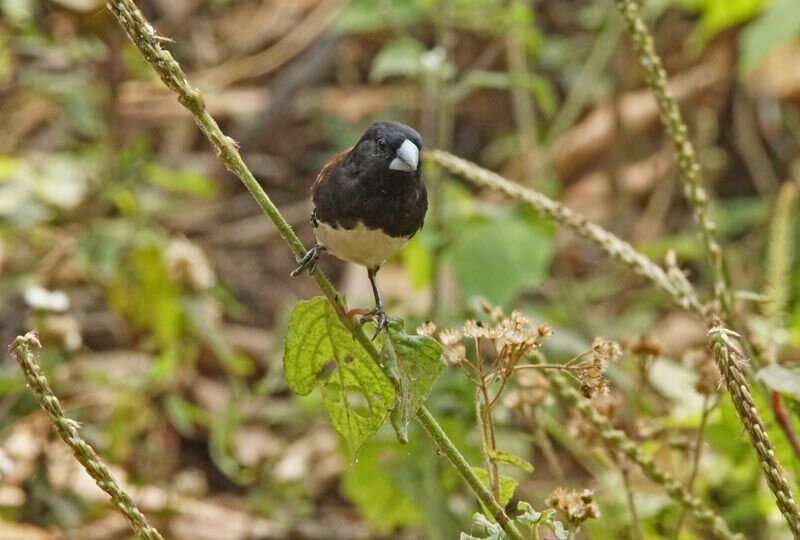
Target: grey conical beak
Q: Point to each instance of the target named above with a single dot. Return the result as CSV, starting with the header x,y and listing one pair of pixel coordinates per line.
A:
x,y
407,157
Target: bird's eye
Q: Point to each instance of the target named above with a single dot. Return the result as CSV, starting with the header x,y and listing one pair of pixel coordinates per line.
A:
x,y
381,143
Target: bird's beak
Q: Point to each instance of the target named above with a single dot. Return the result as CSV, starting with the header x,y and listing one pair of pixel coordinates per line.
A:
x,y
407,157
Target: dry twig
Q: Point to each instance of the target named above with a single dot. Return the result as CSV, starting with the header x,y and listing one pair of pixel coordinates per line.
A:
x,y
67,429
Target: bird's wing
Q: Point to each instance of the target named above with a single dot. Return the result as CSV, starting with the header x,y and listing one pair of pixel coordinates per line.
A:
x,y
324,171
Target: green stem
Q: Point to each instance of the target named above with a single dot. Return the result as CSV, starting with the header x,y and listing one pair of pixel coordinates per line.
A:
x,y
143,36
448,449
67,430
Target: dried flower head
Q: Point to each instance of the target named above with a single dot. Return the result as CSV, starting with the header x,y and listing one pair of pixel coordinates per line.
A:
x,y
474,329
450,337
455,354
428,328
592,370
576,506
544,331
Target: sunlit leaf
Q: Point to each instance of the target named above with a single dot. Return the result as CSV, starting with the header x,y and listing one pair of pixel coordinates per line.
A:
x,y
320,352
397,58
510,459
507,485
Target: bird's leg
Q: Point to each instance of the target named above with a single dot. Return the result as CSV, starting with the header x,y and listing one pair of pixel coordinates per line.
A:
x,y
309,261
381,320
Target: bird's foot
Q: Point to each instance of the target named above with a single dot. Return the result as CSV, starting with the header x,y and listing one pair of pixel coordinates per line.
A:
x,y
309,261
380,318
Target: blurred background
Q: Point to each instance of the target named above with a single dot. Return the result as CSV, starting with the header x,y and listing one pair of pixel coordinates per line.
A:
x,y
162,293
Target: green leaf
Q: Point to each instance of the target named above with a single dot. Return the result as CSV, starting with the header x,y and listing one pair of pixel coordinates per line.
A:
x,y
532,518
777,25
179,181
320,352
400,57
717,15
507,485
498,260
414,363
510,459
493,531
371,16
780,379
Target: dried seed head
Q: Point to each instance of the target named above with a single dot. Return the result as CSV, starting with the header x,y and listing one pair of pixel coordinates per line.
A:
x,y
592,370
544,331
428,328
450,337
474,329
578,507
455,354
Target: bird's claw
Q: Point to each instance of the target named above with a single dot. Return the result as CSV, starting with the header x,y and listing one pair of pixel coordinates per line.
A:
x,y
309,261
381,320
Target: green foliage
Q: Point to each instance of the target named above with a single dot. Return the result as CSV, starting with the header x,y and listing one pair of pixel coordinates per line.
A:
x,y
187,182
499,259
779,24
510,459
369,16
320,352
528,518
507,485
413,364
394,486
532,518
717,15
399,58
781,379
372,489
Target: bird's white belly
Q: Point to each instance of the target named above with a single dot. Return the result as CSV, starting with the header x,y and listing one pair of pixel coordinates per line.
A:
x,y
360,245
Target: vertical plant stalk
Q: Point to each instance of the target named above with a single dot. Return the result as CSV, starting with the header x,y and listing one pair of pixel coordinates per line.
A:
x,y
729,356
524,113
66,428
679,290
697,453
618,441
144,37
780,255
656,78
442,120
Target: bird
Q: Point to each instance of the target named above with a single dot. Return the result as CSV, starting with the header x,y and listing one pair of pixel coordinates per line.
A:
x,y
368,202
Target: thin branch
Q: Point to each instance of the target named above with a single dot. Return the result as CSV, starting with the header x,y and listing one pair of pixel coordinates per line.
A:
x,y
656,78
142,34
697,452
679,290
67,429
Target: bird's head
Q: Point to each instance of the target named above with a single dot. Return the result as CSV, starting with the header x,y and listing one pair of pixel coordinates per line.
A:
x,y
389,147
